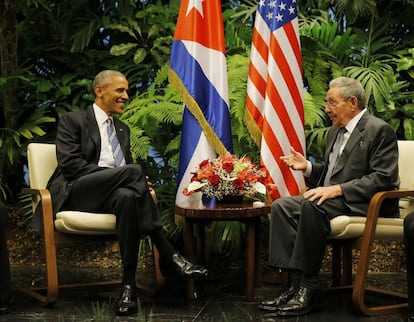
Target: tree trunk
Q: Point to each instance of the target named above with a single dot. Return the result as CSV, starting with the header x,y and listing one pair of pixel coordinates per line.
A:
x,y
10,173
8,61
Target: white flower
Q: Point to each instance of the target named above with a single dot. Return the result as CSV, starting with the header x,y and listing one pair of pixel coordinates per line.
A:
x,y
196,185
260,187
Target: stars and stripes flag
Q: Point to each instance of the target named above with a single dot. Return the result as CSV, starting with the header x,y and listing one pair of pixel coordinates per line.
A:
x,y
198,69
274,100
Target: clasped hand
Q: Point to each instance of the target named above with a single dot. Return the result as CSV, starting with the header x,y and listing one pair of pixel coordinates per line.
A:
x,y
323,193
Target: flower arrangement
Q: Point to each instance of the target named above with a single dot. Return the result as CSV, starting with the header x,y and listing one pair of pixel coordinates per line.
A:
x,y
228,175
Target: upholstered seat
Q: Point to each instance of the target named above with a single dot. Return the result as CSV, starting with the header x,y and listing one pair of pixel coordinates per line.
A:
x,y
85,223
345,227
348,232
69,227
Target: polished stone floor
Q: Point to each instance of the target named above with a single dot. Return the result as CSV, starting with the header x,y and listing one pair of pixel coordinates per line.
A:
x,y
222,299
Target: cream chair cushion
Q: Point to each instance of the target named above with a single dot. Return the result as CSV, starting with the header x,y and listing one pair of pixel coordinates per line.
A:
x,y
85,223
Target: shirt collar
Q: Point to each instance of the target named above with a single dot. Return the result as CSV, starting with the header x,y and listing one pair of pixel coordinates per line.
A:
x,y
352,123
100,115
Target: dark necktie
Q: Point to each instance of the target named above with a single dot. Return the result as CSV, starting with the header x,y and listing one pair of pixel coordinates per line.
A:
x,y
116,147
333,157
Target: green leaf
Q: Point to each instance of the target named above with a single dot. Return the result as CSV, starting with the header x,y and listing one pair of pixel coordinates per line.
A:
x,y
122,49
139,55
409,129
65,90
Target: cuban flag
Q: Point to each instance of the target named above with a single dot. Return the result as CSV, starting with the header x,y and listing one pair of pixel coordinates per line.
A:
x,y
198,69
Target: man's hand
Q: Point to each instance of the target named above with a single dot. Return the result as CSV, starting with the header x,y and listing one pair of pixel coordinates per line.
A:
x,y
323,193
296,161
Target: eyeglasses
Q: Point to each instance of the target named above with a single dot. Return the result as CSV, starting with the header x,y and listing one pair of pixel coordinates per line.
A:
x,y
334,103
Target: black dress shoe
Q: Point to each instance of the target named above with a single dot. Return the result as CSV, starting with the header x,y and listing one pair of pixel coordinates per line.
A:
x,y
4,307
185,268
5,302
127,303
272,304
302,303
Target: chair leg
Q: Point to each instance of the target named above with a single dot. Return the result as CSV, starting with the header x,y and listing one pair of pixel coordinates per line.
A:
x,y
336,274
158,277
52,290
360,287
347,264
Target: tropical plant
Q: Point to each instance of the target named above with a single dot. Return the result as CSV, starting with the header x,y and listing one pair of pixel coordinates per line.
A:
x,y
47,71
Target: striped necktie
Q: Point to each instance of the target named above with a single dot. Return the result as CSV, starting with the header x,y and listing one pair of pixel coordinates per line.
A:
x,y
116,147
333,157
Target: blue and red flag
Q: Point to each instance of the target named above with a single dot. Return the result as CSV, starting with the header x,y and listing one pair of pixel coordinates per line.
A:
x,y
198,69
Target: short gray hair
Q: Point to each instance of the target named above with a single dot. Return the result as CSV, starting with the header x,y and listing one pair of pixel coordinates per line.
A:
x,y
350,87
104,77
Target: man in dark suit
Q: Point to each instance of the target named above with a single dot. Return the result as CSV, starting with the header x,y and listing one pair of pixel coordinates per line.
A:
x,y
91,176
5,279
366,162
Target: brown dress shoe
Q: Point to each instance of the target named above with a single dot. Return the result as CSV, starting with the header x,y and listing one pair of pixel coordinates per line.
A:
x,y
272,304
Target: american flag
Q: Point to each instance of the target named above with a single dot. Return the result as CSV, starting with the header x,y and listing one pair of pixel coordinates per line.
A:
x,y
199,71
274,102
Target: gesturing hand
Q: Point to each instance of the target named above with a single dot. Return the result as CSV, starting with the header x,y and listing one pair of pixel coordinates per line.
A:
x,y
295,161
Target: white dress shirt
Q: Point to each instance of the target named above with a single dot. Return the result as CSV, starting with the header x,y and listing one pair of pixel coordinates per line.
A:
x,y
106,157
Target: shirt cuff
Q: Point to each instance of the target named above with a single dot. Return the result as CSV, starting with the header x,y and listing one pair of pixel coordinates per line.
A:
x,y
308,170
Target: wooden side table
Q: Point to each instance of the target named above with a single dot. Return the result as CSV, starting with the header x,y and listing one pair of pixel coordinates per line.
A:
x,y
242,212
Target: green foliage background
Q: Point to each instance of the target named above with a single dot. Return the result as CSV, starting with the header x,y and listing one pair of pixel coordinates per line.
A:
x,y
51,50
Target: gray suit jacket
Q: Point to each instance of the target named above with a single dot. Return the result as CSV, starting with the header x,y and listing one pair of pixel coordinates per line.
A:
x,y
368,164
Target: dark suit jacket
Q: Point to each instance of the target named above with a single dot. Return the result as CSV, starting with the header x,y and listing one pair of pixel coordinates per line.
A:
x,y
368,164
78,145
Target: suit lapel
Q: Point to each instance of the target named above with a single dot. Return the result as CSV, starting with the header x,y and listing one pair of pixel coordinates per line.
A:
x,y
93,128
354,140
330,142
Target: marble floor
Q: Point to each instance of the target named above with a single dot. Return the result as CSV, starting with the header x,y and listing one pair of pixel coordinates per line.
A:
x,y
221,299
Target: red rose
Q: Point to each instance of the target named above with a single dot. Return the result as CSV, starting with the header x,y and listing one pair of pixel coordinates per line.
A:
x,y
228,166
238,184
203,163
214,180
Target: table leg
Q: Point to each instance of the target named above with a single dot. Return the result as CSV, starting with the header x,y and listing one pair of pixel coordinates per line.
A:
x,y
200,243
189,253
250,257
258,253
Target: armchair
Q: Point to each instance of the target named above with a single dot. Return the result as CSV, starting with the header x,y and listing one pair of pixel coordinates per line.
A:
x,y
349,232
69,227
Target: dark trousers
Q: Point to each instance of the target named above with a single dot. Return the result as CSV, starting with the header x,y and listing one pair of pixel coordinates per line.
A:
x,y
124,192
409,254
299,230
5,279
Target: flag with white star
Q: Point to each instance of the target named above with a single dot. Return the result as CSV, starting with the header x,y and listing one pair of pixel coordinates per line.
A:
x,y
274,100
199,71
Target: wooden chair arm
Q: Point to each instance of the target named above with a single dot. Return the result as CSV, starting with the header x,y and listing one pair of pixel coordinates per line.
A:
x,y
151,189
375,207
47,212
